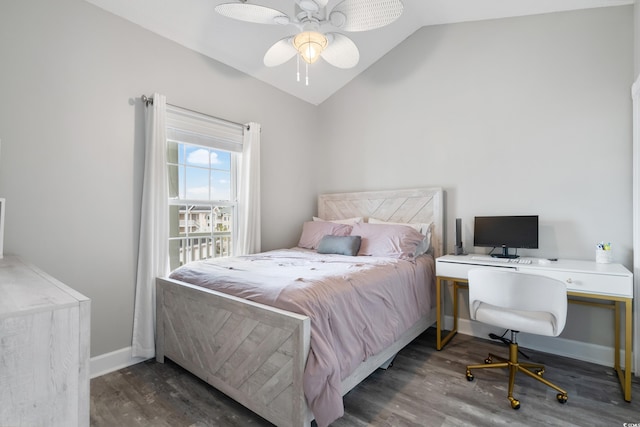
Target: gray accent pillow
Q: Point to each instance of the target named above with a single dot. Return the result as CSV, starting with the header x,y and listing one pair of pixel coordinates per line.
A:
x,y
339,245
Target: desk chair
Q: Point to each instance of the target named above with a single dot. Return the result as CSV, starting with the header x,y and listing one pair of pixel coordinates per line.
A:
x,y
522,303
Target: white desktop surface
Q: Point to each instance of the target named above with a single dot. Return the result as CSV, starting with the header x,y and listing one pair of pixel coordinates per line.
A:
x,y
579,275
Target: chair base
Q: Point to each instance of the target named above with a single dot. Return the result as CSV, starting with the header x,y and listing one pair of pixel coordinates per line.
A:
x,y
514,367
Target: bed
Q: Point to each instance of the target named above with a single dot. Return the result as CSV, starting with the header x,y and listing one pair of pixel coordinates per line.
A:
x,y
256,353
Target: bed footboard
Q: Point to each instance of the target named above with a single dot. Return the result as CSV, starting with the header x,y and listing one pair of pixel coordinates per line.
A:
x,y
253,353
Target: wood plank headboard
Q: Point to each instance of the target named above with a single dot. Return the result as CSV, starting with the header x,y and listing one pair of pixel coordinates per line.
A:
x,y
416,205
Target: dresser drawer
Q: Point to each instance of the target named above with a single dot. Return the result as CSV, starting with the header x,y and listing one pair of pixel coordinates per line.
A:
x,y
602,284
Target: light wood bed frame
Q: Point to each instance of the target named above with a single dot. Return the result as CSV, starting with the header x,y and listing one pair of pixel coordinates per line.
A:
x,y
255,353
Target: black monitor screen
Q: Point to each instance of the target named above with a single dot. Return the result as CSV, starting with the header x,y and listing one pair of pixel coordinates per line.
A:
x,y
506,232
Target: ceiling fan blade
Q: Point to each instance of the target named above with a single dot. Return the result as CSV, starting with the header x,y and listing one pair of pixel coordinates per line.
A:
x,y
312,5
364,15
279,53
342,52
252,13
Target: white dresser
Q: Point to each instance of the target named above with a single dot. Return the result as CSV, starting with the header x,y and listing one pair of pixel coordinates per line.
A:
x,y
44,349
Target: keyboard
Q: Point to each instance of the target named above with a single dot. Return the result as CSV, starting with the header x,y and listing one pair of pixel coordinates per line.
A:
x,y
502,260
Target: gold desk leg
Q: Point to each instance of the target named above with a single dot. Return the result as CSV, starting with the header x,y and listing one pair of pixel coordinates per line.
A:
x,y
438,314
627,349
442,341
616,339
455,306
624,376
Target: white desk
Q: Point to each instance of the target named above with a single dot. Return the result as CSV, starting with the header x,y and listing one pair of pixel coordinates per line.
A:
x,y
611,283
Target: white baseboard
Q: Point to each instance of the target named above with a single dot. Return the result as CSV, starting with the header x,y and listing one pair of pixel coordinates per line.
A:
x,y
586,352
109,362
601,355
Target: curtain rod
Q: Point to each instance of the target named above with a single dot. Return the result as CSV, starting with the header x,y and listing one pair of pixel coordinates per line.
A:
x,y
149,100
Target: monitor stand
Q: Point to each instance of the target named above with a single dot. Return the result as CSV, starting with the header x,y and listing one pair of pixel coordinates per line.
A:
x,y
505,254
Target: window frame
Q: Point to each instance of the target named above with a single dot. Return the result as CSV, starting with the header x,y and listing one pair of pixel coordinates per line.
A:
x,y
185,129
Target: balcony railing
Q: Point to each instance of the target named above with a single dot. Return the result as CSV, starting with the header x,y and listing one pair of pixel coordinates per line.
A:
x,y
193,248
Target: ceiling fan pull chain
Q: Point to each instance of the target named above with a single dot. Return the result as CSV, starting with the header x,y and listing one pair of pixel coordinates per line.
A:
x,y
306,66
298,67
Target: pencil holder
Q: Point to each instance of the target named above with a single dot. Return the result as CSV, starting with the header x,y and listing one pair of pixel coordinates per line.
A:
x,y
604,256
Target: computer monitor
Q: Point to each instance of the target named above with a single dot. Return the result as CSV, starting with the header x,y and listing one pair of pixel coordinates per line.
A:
x,y
506,232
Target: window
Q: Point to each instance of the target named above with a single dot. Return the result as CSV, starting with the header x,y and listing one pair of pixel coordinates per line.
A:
x,y
202,164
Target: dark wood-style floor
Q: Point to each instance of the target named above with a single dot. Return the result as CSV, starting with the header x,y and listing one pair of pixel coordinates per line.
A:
x,y
423,387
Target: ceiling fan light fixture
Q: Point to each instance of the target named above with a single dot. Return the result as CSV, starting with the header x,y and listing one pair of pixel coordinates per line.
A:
x,y
310,45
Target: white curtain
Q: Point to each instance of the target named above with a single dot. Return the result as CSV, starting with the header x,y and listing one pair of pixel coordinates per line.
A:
x,y
153,251
249,193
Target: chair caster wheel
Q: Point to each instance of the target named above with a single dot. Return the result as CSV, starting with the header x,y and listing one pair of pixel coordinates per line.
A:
x,y
469,376
515,403
562,398
488,360
540,372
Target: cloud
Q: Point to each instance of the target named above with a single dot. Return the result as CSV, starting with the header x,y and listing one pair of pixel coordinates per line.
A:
x,y
202,156
214,158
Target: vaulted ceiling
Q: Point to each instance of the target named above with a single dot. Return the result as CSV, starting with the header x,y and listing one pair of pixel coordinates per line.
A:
x,y
242,45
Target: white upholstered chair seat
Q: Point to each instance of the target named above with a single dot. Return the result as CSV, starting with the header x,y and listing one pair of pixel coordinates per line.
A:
x,y
534,322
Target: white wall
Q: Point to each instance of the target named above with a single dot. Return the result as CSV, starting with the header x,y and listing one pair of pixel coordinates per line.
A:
x,y
537,105
527,115
71,125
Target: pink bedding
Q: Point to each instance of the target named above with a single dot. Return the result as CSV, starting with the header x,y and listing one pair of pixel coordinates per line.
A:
x,y
358,306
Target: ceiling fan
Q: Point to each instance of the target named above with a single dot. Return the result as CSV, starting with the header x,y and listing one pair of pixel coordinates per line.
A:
x,y
315,23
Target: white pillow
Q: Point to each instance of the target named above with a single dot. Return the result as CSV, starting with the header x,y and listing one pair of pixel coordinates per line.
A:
x,y
421,227
348,221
